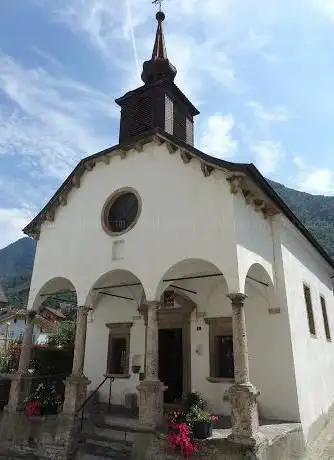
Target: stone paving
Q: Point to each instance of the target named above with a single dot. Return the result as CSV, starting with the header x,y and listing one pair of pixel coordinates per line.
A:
x,y
323,447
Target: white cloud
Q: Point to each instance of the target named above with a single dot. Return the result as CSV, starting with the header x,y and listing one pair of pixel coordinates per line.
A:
x,y
299,162
217,138
267,156
120,34
318,181
11,223
314,179
52,120
325,7
275,115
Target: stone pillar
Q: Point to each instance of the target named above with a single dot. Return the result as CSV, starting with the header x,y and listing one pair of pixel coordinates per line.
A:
x,y
22,379
242,395
151,389
76,383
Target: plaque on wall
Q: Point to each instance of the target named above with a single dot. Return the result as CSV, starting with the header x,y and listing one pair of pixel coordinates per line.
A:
x,y
169,299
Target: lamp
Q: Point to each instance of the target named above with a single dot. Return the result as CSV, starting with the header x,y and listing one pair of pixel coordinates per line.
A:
x,y
136,363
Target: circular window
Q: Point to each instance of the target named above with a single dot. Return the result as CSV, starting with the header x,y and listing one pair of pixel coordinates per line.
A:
x,y
121,211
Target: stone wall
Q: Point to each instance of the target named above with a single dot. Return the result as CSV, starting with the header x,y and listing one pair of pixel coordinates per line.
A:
x,y
288,446
49,437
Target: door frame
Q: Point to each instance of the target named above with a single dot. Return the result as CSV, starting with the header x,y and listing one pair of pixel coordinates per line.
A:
x,y
178,316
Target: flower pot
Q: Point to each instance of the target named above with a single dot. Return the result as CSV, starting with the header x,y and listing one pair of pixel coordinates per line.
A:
x,y
49,410
202,429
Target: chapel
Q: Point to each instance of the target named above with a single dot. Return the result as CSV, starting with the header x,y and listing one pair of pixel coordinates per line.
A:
x,y
190,274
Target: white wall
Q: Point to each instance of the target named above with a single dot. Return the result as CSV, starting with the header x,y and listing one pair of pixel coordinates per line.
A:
x,y
314,357
112,310
254,239
184,215
214,303
270,356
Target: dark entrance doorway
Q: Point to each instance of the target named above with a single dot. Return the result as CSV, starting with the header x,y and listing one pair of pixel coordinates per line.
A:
x,y
171,363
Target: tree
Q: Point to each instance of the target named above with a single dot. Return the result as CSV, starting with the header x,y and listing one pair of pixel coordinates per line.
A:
x,y
65,333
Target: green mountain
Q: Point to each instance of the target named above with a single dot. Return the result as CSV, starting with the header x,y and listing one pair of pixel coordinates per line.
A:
x,y
315,211
16,262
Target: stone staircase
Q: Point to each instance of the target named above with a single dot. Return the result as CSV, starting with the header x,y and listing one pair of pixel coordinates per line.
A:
x,y
108,437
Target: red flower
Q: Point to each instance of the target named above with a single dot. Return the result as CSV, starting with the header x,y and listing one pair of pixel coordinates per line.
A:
x,y
180,438
32,408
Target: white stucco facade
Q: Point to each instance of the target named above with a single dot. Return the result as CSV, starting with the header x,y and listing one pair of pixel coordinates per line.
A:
x,y
193,225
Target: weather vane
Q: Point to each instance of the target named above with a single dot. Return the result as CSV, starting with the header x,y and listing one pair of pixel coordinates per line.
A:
x,y
158,3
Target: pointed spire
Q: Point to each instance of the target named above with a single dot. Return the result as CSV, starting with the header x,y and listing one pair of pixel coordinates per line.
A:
x,y
159,49
158,67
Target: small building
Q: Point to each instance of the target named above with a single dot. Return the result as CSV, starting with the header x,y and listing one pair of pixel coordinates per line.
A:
x,y
3,298
13,322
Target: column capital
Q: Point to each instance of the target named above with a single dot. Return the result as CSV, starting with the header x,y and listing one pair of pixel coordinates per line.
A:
x,y
30,315
237,298
84,309
152,304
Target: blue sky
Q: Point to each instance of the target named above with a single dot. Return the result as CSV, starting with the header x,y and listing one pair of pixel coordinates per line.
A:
x,y
260,71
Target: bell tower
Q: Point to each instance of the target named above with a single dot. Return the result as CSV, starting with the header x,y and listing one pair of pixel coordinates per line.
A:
x,y
159,103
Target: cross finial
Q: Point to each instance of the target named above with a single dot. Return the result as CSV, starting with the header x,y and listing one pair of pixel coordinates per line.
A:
x,y
158,3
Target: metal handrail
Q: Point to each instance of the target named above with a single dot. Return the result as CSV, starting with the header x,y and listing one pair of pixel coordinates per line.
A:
x,y
93,393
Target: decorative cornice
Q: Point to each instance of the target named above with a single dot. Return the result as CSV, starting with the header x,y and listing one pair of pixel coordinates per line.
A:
x,y
123,154
206,169
240,184
186,157
172,148
138,146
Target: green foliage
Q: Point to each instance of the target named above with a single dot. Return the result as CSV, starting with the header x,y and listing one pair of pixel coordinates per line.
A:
x,y
65,333
316,212
194,401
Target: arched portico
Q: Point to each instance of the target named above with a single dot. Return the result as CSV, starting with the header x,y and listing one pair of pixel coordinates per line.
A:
x,y
205,286
114,299
58,288
268,350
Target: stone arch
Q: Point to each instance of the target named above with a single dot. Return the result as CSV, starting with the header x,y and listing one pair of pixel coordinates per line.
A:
x,y
268,346
188,274
114,297
118,282
54,288
205,286
258,276
257,271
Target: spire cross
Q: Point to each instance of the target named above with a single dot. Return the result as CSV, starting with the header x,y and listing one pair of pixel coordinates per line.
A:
x,y
158,3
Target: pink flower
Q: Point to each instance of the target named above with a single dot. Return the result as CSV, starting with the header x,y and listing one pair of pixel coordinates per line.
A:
x,y
181,439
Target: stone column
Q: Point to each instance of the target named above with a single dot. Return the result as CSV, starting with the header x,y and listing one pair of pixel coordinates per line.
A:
x,y
242,395
22,379
76,383
151,389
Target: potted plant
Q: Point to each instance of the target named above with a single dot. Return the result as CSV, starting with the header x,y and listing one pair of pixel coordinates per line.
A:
x,y
197,416
202,423
43,401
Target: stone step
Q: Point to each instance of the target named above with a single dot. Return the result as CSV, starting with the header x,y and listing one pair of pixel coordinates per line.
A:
x,y
115,432
129,424
105,450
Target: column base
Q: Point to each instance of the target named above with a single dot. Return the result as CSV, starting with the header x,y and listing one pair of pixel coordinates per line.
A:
x,y
245,417
75,393
151,399
19,390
